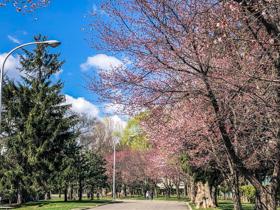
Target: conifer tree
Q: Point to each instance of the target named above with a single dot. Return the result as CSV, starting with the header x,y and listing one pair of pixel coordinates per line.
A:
x,y
37,128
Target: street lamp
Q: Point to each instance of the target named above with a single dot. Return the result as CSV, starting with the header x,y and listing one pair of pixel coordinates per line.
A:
x,y
114,169
51,43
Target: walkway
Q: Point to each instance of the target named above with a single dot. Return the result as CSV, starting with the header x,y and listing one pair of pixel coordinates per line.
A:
x,y
144,205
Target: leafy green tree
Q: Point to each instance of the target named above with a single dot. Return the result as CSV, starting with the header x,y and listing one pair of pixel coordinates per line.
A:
x,y
37,128
133,135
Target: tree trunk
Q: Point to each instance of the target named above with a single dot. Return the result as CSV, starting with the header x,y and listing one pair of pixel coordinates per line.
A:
x,y
47,196
193,190
266,198
155,191
143,191
80,190
214,195
203,198
71,192
185,189
92,193
125,191
19,197
178,191
234,183
168,191
65,193
236,199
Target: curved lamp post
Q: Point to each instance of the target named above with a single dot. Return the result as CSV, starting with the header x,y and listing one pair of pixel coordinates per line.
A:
x,y
51,43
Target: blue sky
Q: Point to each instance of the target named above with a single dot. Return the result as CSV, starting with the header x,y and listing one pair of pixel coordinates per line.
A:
x,y
66,21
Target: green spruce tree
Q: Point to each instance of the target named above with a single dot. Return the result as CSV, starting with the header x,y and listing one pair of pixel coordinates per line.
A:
x,y
38,130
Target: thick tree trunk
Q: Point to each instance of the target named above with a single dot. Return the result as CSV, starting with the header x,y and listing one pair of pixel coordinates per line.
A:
x,y
203,198
266,198
236,191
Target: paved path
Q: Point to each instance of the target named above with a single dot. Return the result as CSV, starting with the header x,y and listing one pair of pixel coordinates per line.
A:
x,y
144,205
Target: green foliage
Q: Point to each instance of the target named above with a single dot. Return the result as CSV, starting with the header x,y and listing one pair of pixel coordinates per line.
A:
x,y
133,136
95,171
37,128
184,160
249,191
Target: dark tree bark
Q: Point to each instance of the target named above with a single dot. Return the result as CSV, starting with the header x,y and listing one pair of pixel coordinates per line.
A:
x,y
80,190
65,193
266,198
178,190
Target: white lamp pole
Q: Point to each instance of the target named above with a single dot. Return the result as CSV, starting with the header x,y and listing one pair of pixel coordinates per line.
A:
x,y
114,169
51,43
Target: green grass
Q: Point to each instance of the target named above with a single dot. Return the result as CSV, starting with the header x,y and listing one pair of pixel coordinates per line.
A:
x,y
61,205
228,205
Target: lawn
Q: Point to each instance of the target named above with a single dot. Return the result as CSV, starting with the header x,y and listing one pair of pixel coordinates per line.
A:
x,y
228,205
61,205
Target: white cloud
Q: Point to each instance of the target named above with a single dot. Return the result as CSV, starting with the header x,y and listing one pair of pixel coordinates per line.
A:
x,y
102,62
11,66
82,106
14,39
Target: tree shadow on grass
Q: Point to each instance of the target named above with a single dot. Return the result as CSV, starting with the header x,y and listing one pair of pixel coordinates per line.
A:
x,y
52,202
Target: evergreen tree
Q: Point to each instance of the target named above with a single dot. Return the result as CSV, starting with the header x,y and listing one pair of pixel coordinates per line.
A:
x,y
96,172
38,129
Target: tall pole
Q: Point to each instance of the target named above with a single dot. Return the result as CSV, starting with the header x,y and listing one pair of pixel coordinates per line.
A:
x,y
52,43
114,170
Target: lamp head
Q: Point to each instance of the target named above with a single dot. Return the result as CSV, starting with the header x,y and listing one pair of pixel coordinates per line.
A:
x,y
53,43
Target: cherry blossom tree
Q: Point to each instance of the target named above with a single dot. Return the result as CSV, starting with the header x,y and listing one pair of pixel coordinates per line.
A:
x,y
220,55
130,171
